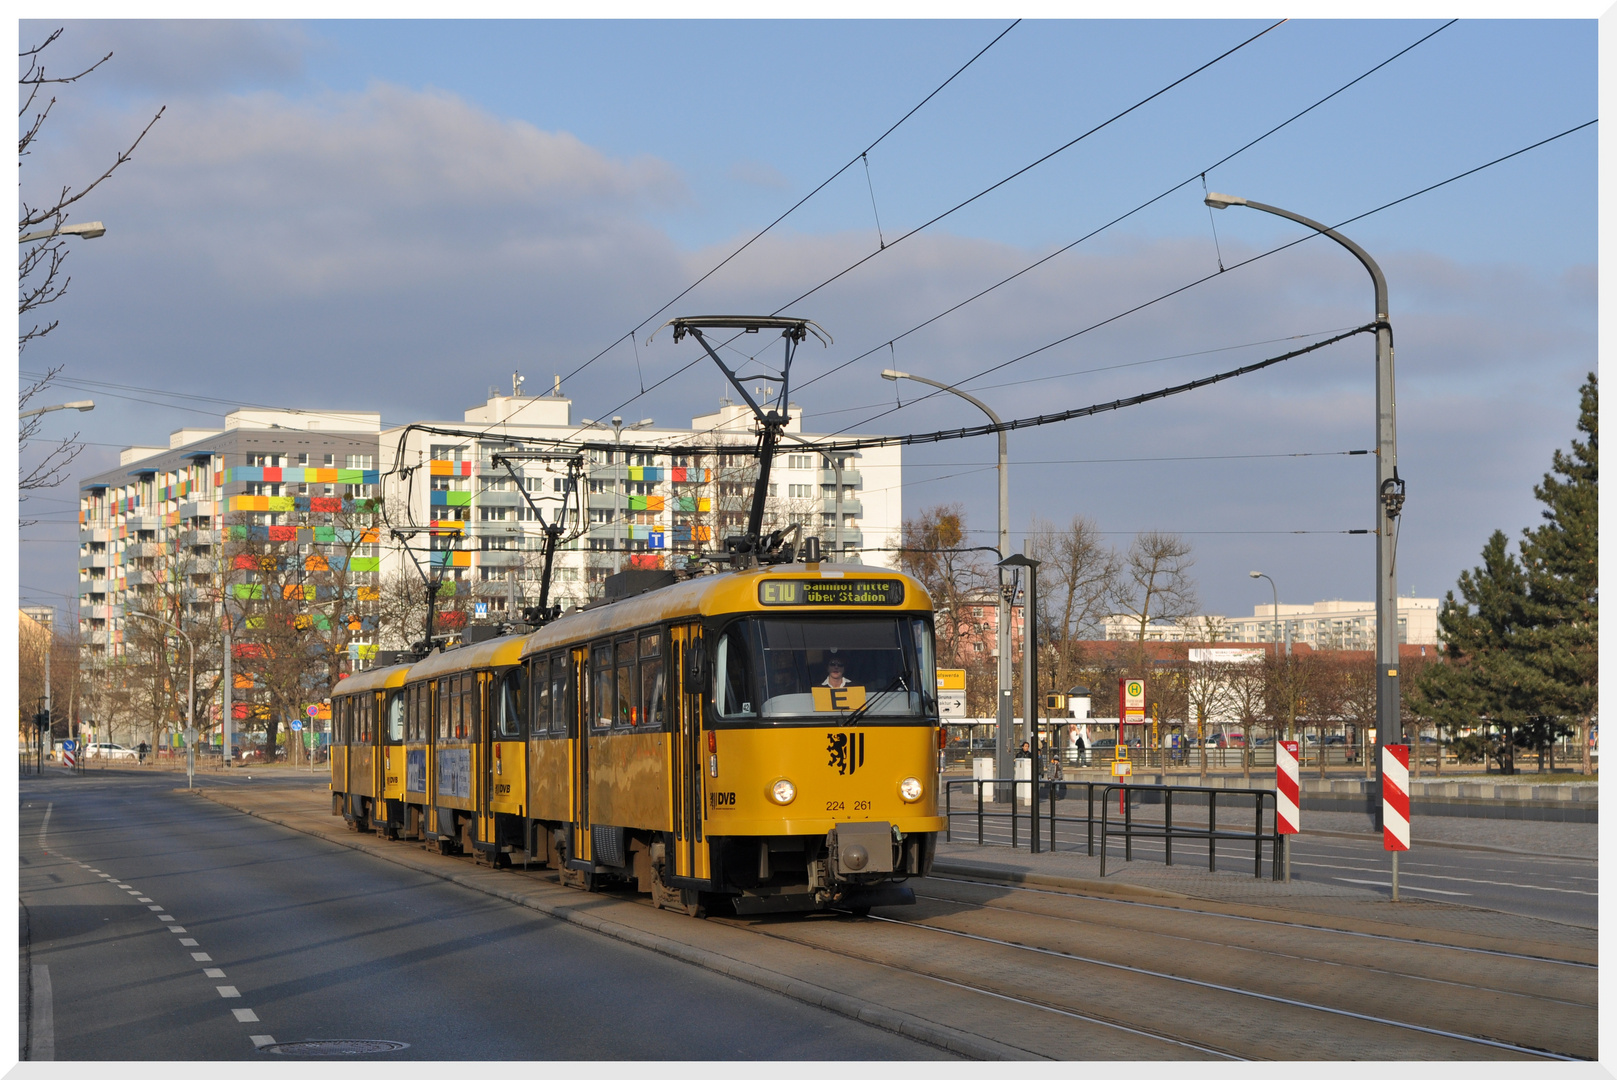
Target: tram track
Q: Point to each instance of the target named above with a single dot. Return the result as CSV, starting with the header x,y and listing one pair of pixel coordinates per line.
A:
x,y
1142,903
1292,955
994,970
1358,1009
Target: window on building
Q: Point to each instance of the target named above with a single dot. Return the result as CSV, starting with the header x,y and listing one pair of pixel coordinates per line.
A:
x,y
357,461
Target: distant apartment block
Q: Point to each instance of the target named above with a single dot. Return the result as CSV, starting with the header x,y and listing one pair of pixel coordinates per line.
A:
x,y
1324,624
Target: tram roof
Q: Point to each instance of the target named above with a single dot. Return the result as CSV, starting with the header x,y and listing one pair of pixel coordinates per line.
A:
x,y
496,652
374,679
714,594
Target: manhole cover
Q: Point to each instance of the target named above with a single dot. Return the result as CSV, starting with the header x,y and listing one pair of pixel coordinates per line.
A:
x,y
334,1047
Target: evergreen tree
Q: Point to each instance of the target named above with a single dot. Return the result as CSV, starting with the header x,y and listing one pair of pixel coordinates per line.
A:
x,y
1560,558
1484,679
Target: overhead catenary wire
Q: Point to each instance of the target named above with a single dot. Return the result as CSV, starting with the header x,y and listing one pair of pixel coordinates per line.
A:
x,y
1243,263
795,206
1226,158
1125,216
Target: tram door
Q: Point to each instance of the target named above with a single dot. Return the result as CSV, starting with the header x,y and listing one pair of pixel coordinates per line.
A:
x,y
586,662
688,754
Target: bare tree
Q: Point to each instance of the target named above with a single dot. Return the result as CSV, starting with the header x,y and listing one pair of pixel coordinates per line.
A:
x,y
932,555
1078,578
1245,698
1154,584
1209,697
41,261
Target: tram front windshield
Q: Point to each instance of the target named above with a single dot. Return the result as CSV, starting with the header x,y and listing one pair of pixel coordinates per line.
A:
x,y
825,670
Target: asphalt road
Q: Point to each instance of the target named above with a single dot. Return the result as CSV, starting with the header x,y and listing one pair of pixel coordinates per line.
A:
x,y
161,926
1560,888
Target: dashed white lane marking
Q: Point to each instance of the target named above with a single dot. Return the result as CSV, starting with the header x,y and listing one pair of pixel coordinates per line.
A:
x,y
43,1043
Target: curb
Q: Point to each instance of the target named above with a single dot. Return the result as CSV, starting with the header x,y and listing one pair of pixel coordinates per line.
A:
x,y
1113,888
878,1016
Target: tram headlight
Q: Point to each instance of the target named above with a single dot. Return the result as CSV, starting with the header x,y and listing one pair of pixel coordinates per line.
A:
x,y
782,791
909,789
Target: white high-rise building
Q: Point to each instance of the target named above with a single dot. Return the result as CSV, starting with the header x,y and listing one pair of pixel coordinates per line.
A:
x,y
651,496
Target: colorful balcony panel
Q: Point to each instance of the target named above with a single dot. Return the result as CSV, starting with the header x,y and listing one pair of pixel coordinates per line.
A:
x,y
451,558
451,468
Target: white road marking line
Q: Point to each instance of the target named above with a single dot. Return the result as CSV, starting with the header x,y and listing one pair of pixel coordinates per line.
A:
x,y
214,973
44,823
1406,888
111,880
156,907
144,899
100,874
246,1016
228,991
128,888
41,1017
263,1040
1448,877
202,958
165,918
176,929
188,942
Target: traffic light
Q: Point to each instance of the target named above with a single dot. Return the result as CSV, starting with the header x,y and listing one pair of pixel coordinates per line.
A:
x,y
1058,702
42,719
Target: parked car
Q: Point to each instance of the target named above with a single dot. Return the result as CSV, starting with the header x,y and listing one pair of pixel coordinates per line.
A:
x,y
1102,744
111,751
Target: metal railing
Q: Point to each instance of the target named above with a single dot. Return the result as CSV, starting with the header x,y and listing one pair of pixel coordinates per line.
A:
x,y
1124,827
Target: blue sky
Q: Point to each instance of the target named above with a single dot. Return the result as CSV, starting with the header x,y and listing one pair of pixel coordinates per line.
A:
x,y
394,215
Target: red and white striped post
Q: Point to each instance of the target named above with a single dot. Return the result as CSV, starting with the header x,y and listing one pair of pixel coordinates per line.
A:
x,y
1395,804
1288,798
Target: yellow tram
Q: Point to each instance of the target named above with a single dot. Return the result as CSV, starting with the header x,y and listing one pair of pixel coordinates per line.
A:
x,y
365,717
763,738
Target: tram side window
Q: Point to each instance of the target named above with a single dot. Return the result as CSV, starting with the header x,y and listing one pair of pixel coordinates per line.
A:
x,y
562,703
395,716
628,714
446,707
466,722
732,674
508,706
367,709
652,690
603,697
539,682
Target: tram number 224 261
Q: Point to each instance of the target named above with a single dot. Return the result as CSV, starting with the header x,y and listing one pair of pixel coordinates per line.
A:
x,y
840,804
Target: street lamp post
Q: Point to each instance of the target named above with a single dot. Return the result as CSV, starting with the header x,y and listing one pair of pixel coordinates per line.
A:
x,y
191,695
1275,592
81,406
618,429
1005,712
89,231
1389,497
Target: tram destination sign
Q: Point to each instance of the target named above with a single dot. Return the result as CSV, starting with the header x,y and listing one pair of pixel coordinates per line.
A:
x,y
831,592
